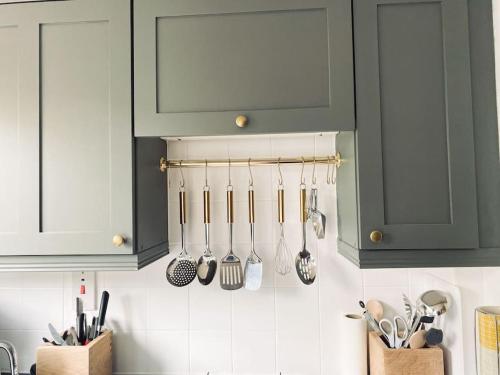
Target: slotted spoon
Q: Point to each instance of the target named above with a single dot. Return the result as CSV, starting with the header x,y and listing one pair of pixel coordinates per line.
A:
x,y
231,273
182,270
207,264
305,264
253,265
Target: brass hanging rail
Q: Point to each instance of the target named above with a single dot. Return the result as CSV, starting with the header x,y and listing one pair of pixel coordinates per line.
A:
x,y
333,159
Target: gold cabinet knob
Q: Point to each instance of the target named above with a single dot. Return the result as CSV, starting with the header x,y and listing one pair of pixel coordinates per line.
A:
x,y
376,236
241,121
118,240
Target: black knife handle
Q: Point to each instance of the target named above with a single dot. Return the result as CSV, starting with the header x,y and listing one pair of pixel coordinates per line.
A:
x,y
102,313
103,308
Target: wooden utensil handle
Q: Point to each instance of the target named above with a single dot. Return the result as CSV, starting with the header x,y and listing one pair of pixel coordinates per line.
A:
x,y
251,208
281,206
206,206
303,205
182,206
229,198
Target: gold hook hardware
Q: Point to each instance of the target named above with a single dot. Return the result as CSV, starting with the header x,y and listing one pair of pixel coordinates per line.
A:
x,y
181,184
302,179
328,179
250,182
280,179
333,177
206,175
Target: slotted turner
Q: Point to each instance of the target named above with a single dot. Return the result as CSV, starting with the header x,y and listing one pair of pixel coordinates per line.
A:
x,y
231,273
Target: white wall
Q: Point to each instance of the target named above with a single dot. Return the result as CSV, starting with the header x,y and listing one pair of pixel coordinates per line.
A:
x,y
285,327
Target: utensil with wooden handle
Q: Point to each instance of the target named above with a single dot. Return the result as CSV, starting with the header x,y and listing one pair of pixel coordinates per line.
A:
x,y
253,265
231,273
207,264
182,270
305,264
283,261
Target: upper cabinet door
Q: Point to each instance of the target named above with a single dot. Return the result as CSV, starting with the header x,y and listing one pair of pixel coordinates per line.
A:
x,y
14,180
285,65
414,118
66,127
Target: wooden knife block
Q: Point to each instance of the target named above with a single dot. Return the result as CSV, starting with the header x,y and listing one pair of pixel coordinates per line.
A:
x,y
92,359
386,361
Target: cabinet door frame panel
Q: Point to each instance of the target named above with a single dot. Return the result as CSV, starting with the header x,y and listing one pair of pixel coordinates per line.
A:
x,y
339,115
31,16
462,231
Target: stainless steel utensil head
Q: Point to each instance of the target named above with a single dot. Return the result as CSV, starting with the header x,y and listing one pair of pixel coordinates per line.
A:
x,y
283,260
181,271
305,265
207,267
318,219
253,273
408,308
231,273
433,302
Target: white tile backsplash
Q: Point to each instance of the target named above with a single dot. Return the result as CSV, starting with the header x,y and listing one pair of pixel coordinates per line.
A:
x,y
211,351
254,352
284,327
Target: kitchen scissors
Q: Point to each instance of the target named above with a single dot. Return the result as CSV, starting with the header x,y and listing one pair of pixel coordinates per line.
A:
x,y
395,331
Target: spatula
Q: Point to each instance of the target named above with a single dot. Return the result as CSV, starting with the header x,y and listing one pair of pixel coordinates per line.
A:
x,y
231,274
253,266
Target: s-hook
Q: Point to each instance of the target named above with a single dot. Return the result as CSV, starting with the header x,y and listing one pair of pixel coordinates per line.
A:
x,y
328,178
313,178
181,183
280,179
229,185
250,182
206,187
302,179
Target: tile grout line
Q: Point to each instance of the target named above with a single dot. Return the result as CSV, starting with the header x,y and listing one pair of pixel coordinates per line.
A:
x,y
274,241
320,332
184,152
189,330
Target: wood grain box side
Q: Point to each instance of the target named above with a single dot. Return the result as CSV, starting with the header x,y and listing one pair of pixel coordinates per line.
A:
x,y
385,361
92,359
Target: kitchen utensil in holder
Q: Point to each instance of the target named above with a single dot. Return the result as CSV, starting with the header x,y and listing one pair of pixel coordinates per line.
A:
x,y
386,361
94,358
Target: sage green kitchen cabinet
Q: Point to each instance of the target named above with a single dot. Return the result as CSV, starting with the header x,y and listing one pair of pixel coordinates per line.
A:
x,y
72,178
224,67
409,182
